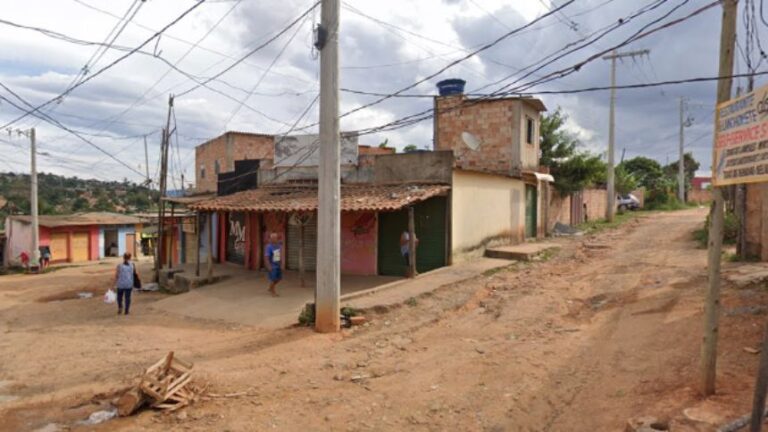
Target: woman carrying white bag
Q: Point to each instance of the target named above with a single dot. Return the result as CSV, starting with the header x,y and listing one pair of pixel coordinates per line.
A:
x,y
125,279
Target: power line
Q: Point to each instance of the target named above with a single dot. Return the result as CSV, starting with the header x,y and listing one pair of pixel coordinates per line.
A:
x,y
251,52
110,65
263,75
56,123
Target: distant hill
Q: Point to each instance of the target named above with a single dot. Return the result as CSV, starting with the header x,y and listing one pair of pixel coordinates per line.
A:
x,y
66,195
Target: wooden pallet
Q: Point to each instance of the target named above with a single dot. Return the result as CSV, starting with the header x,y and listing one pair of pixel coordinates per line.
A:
x,y
167,380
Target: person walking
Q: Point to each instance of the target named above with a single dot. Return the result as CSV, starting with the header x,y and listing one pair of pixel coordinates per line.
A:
x,y
405,250
124,274
273,255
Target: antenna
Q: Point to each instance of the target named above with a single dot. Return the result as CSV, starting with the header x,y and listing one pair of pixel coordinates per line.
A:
x,y
471,140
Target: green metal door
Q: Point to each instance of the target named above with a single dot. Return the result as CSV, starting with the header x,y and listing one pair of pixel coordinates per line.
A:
x,y
530,211
430,230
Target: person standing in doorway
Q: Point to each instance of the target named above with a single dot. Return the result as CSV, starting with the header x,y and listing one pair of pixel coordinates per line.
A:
x,y
124,283
274,258
405,250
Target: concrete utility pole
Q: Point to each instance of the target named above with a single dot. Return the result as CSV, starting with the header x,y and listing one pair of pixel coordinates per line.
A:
x,y
610,209
681,161
33,200
712,301
327,292
146,160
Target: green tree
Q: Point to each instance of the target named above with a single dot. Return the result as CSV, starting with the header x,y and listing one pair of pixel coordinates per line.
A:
x,y
410,148
80,204
624,181
573,170
103,203
647,172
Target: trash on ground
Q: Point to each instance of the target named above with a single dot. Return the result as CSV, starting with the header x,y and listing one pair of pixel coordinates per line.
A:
x,y
165,385
85,295
150,287
752,350
100,417
562,230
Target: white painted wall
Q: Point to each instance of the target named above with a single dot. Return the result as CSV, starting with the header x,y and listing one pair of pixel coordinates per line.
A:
x,y
486,210
19,237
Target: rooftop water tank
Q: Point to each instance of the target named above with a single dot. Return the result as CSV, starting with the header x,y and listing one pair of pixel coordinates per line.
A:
x,y
451,87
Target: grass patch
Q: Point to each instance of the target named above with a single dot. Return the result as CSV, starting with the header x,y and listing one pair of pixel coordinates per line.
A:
x,y
493,271
412,302
11,270
602,224
547,254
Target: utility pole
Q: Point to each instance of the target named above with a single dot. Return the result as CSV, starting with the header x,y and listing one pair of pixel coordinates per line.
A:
x,y
610,209
681,161
33,200
146,159
712,301
741,201
327,291
163,184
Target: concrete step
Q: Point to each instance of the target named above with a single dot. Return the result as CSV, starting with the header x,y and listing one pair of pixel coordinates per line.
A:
x,y
521,252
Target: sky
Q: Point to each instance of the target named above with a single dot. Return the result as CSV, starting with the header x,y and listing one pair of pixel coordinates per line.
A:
x,y
384,47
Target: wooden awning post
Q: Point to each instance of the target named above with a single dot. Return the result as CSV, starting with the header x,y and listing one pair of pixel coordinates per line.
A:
x,y
197,252
301,251
412,242
209,221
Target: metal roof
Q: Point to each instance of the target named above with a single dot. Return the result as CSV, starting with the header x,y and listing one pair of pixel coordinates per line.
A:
x,y
304,198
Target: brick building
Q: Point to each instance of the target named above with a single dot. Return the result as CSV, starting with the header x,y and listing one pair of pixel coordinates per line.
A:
x,y
219,155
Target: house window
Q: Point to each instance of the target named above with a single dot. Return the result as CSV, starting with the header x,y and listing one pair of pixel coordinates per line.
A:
x,y
529,132
202,171
216,167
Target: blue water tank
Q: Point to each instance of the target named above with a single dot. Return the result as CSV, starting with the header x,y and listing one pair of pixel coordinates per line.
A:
x,y
450,87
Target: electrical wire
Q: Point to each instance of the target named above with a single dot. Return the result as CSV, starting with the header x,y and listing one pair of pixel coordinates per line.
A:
x,y
197,4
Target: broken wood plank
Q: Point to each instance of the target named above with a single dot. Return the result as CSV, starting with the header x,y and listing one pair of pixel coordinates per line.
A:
x,y
130,402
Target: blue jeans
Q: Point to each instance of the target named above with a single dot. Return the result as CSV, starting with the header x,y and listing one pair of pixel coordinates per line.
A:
x,y
127,293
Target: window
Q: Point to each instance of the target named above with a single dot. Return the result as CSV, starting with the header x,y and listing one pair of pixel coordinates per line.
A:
x,y
529,132
216,167
202,171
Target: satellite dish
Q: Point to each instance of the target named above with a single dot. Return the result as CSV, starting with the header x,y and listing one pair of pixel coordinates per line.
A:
x,y
471,140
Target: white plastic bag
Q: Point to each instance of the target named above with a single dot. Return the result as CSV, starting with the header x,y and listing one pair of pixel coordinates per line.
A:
x,y
110,296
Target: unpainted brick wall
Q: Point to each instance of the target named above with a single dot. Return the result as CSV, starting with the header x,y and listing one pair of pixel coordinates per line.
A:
x,y
244,146
595,202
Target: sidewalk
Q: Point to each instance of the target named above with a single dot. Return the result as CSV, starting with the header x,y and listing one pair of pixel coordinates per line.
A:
x,y
400,291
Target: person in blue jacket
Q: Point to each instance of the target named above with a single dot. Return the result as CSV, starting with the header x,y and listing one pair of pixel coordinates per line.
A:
x,y
274,258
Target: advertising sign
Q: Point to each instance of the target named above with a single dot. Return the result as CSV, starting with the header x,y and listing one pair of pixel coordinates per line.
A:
x,y
741,140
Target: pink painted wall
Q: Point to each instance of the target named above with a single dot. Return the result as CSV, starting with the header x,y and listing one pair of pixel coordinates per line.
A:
x,y
358,243
45,236
277,223
93,240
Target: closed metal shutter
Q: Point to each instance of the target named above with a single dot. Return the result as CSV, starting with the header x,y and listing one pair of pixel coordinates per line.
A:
x,y
310,245
59,247
430,230
80,247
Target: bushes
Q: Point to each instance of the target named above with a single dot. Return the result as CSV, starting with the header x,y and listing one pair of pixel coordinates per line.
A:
x,y
730,230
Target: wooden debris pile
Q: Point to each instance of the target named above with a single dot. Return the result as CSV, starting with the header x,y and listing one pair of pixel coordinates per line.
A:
x,y
165,385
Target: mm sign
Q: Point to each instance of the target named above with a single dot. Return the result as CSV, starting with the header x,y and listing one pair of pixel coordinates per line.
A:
x,y
741,140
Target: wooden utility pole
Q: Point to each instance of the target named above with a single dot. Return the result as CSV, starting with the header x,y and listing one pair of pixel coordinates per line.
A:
x,y
327,291
761,387
741,201
712,302
610,209
163,184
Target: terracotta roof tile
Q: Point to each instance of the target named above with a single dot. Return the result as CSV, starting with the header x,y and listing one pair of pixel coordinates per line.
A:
x,y
299,199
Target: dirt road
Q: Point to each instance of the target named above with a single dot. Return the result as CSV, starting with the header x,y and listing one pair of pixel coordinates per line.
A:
x,y
605,330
